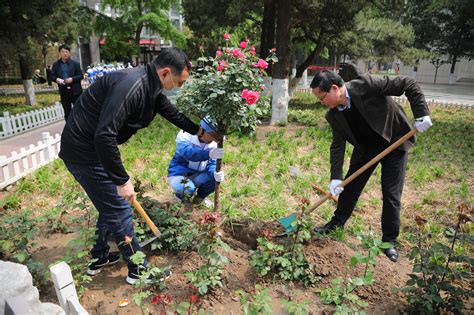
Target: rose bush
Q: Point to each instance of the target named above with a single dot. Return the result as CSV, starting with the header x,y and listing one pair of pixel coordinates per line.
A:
x,y
227,88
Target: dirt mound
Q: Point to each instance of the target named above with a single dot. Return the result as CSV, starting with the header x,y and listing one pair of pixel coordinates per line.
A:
x,y
330,258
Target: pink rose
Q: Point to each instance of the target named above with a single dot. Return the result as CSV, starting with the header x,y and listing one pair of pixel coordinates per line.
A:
x,y
226,36
252,50
237,53
262,87
218,53
262,64
252,97
243,44
244,93
221,65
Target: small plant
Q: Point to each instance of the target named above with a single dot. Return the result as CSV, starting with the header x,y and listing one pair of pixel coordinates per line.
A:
x,y
148,276
342,293
255,302
178,233
440,279
77,254
285,261
296,307
209,275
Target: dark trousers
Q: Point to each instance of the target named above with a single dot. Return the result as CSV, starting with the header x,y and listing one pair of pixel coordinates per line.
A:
x,y
67,100
115,213
393,177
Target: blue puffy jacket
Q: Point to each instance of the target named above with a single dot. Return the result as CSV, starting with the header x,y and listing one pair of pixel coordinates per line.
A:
x,y
191,156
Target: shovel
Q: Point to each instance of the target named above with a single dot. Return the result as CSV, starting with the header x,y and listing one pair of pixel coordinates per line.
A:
x,y
287,222
295,172
148,221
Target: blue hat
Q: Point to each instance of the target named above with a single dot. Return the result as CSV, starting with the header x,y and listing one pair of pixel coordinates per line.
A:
x,y
207,125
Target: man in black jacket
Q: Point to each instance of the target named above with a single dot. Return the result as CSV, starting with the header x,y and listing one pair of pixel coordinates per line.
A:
x,y
108,113
362,113
68,75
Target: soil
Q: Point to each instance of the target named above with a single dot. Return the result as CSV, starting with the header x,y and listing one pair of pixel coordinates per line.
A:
x,y
331,259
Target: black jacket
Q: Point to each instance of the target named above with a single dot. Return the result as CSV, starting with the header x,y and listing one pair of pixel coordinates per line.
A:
x,y
111,111
371,96
74,72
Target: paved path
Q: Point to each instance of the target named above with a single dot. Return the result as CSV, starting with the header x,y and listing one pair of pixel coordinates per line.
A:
x,y
456,93
23,140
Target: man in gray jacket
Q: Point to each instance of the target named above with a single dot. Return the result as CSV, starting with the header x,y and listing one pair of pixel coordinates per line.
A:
x,y
362,113
107,114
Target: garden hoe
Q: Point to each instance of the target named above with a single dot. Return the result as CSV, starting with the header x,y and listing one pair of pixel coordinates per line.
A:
x,y
287,222
148,221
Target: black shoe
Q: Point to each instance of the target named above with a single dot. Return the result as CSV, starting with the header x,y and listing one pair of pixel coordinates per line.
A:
x,y
391,253
96,266
134,275
327,228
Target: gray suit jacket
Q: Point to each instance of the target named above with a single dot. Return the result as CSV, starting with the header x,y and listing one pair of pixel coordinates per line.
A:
x,y
371,96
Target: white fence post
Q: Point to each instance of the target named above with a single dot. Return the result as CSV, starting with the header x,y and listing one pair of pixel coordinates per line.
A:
x,y
65,289
49,150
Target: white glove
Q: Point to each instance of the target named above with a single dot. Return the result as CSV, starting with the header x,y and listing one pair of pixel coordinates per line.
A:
x,y
219,176
333,187
216,153
423,123
59,81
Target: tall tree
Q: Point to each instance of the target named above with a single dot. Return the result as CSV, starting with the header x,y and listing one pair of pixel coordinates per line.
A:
x,y
321,23
281,69
455,20
122,28
23,26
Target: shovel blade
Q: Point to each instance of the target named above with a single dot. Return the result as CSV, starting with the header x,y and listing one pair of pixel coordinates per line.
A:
x,y
148,241
286,222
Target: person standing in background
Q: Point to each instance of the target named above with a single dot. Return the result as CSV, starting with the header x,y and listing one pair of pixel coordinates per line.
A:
x,y
68,75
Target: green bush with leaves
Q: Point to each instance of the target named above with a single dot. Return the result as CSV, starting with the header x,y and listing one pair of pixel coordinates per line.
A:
x,y
285,261
177,233
227,88
255,302
209,275
441,280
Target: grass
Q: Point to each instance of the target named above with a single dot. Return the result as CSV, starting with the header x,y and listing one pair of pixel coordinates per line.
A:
x,y
15,104
258,184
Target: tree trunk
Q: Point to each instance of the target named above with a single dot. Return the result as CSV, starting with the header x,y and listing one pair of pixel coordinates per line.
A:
x,y
267,37
304,65
26,74
451,72
281,69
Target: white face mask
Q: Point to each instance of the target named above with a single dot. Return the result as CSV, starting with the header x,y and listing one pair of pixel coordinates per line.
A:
x,y
174,90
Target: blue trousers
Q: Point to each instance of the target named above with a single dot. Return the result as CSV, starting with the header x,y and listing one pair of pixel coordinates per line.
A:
x,y
202,183
115,213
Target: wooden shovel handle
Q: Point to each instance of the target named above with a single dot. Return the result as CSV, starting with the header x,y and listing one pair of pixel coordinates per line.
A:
x,y
380,156
145,217
317,188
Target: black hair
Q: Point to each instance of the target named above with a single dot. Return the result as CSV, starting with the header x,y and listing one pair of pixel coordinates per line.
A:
x,y
64,46
325,79
174,58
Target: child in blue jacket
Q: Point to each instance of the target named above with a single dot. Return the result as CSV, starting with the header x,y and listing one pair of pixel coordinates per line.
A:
x,y
192,170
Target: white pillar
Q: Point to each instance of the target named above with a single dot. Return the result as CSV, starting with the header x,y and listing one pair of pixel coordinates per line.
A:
x,y
65,289
305,78
280,101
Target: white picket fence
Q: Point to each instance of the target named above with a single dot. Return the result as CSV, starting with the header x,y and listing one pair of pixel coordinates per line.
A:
x,y
28,160
15,124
